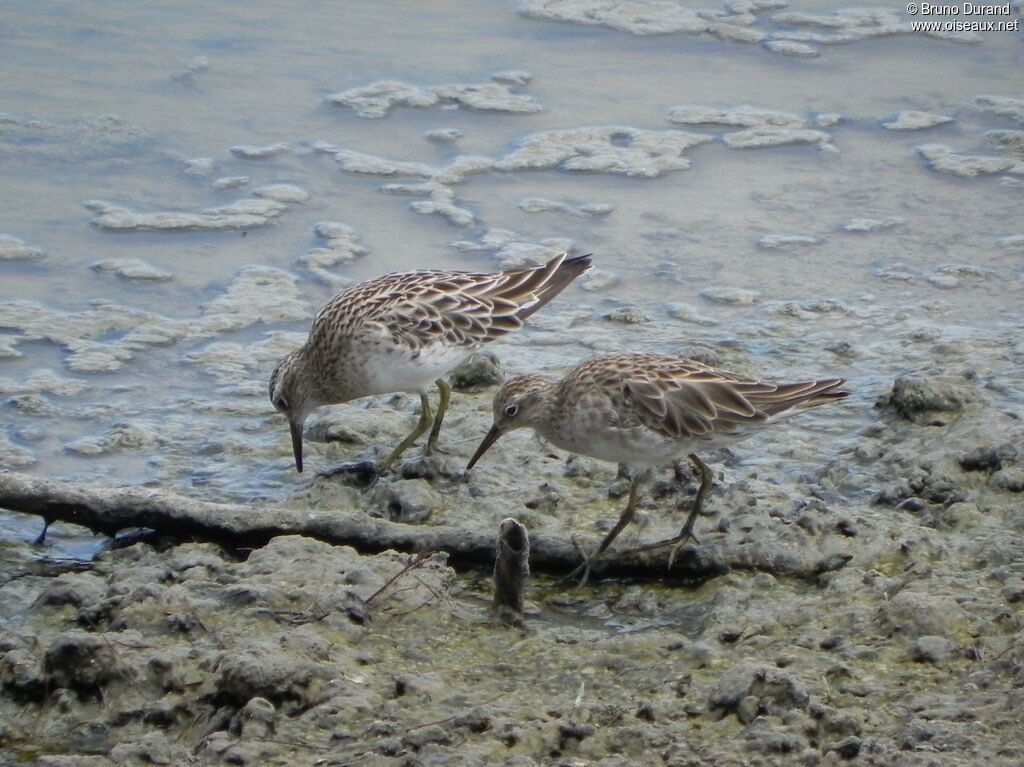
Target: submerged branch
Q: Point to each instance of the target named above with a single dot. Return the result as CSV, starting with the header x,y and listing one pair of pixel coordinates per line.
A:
x,y
109,510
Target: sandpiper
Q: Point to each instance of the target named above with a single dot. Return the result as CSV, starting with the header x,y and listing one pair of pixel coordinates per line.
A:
x,y
403,332
645,411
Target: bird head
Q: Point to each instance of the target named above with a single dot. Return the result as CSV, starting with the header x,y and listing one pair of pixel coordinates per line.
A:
x,y
519,403
290,395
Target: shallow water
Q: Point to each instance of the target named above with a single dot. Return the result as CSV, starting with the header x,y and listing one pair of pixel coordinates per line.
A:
x,y
159,376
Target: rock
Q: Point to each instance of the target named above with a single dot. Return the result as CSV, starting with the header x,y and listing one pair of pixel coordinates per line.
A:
x,y
481,371
914,397
21,676
922,734
932,649
598,280
430,467
426,686
627,315
257,720
988,458
833,724
571,733
733,296
1013,593
475,721
688,313
418,737
847,748
260,669
764,736
74,589
1011,480
775,690
747,709
152,748
82,662
411,501
916,614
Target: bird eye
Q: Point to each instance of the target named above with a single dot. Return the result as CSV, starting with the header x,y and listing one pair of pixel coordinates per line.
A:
x,y
511,410
281,403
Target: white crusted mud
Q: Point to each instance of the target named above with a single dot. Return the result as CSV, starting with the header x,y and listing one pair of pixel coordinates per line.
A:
x,y
379,99
872,224
512,251
945,159
132,269
14,249
628,151
241,214
580,210
1004,106
762,127
107,336
341,247
790,33
915,120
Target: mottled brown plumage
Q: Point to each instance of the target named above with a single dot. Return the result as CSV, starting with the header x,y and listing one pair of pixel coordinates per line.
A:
x,y
402,332
647,410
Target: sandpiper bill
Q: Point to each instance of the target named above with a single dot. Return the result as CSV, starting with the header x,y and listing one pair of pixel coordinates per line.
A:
x,y
403,332
645,411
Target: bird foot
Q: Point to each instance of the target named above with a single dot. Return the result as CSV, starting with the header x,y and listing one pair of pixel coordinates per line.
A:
x,y
586,567
41,538
362,474
432,449
686,534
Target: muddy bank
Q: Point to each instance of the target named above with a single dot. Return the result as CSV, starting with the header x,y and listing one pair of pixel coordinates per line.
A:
x,y
913,653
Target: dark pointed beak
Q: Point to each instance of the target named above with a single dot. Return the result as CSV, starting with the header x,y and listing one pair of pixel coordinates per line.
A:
x,y
490,439
296,429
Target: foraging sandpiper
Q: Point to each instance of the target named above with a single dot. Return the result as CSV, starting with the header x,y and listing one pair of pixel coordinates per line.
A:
x,y
402,332
645,411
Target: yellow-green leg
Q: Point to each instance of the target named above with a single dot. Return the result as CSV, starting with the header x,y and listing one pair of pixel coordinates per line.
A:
x,y
635,480
442,407
686,533
624,519
421,426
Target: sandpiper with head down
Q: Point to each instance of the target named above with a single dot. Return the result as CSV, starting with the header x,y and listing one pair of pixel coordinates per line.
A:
x,y
645,411
403,332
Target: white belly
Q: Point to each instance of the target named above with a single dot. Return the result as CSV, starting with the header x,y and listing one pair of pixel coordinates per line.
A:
x,y
390,369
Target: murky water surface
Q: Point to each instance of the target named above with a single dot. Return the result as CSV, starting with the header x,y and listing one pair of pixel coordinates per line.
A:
x,y
798,190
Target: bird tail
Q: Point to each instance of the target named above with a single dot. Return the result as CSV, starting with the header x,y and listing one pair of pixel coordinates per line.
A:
x,y
799,396
543,283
